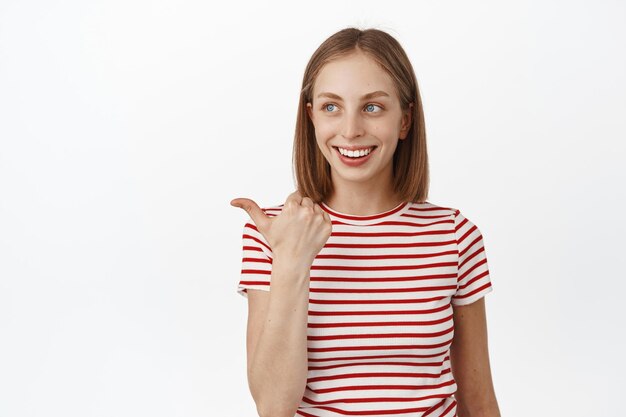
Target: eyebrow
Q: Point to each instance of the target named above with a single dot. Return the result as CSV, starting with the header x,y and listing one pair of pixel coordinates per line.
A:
x,y
367,96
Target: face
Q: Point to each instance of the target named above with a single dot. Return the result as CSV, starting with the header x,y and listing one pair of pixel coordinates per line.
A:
x,y
355,106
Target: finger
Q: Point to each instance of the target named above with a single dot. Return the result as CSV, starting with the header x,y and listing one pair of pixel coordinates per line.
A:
x,y
294,198
258,216
307,202
318,209
326,215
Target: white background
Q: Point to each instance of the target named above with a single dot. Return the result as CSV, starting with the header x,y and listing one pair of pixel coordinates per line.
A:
x,y
127,127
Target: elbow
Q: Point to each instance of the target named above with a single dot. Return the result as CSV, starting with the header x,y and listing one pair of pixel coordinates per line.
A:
x,y
268,406
486,411
277,411
276,399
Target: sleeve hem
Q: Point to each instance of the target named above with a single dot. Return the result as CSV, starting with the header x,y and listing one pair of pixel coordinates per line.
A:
x,y
458,301
243,289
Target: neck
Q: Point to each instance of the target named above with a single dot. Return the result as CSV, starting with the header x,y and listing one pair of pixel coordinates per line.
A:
x,y
362,201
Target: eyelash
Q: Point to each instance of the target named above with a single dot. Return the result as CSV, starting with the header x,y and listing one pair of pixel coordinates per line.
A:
x,y
368,104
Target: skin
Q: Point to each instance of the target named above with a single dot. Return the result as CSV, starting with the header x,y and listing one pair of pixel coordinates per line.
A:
x,y
469,357
351,120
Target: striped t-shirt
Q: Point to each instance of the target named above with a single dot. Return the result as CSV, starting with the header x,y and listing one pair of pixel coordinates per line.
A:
x,y
380,321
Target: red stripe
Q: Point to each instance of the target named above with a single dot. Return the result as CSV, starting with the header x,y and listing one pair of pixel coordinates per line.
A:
x,y
386,363
393,234
391,256
387,245
261,260
254,283
375,312
257,240
256,271
375,279
477,290
380,268
359,218
473,268
384,323
434,408
379,290
252,248
379,375
470,247
401,301
346,358
405,223
470,257
375,399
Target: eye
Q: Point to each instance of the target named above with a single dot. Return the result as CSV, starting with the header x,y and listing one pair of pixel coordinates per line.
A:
x,y
332,107
327,105
371,106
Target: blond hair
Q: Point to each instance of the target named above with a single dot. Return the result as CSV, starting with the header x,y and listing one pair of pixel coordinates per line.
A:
x,y
410,159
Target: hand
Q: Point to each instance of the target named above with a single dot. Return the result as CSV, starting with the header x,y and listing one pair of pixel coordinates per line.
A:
x,y
298,233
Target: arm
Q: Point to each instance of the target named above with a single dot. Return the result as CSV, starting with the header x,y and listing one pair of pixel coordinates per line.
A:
x,y
277,341
469,358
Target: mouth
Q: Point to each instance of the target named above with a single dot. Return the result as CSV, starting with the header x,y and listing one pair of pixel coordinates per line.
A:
x,y
354,153
357,159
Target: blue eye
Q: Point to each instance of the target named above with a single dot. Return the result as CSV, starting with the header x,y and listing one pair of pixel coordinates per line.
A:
x,y
370,106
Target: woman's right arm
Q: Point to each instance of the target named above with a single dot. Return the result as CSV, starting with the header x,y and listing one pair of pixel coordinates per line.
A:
x,y
277,340
277,322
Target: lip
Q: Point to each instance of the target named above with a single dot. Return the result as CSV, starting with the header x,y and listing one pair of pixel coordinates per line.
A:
x,y
356,148
354,162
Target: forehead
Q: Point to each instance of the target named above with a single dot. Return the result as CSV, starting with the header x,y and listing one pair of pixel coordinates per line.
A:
x,y
353,76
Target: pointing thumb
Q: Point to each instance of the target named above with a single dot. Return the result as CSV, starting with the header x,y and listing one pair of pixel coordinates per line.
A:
x,y
257,215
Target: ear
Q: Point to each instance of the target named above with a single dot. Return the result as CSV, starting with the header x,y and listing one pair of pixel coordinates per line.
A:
x,y
406,122
309,110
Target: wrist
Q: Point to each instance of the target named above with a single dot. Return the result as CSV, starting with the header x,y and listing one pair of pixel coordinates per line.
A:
x,y
291,265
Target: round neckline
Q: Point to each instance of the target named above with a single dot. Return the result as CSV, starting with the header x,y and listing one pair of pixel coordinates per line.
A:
x,y
361,220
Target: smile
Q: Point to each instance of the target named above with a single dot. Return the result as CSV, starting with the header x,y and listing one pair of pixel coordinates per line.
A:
x,y
358,157
358,153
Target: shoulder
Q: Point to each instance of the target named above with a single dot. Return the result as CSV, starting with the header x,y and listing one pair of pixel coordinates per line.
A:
x,y
452,211
450,214
432,209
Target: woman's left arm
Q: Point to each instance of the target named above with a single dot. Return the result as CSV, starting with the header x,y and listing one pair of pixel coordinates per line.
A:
x,y
469,357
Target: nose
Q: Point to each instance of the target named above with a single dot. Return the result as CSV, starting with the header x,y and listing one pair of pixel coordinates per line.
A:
x,y
352,125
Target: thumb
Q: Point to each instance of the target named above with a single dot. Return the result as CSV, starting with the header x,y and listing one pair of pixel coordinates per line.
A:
x,y
258,216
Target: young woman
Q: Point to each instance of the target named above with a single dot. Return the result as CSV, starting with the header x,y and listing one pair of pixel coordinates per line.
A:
x,y
364,299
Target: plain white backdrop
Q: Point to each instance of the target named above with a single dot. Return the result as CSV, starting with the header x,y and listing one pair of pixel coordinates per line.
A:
x,y
126,128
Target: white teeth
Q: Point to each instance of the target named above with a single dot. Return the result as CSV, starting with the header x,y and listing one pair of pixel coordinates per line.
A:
x,y
355,154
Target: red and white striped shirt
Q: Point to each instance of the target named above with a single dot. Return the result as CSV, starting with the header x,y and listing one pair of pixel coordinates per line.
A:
x,y
380,320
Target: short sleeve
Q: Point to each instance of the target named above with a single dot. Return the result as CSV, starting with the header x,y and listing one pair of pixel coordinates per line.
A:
x,y
256,261
473,280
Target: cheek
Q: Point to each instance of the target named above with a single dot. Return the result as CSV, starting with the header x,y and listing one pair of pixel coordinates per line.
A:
x,y
322,138
325,130
384,130
323,148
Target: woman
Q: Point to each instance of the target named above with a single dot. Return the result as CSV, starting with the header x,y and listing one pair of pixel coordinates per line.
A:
x,y
363,297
